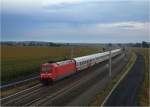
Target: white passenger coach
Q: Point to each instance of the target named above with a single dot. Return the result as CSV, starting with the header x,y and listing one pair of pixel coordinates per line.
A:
x,y
90,60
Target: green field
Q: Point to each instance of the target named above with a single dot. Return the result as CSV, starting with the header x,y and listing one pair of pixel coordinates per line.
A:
x,y
20,61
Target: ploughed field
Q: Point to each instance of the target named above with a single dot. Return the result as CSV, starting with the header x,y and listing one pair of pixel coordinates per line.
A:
x,y
20,61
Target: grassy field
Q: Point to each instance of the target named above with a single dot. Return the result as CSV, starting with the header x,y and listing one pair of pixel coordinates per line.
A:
x,y
19,61
144,93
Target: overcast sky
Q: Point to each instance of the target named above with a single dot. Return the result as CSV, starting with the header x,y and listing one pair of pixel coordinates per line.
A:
x,y
88,21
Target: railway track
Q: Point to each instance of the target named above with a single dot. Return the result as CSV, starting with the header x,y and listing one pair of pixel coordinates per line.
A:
x,y
28,91
9,85
40,95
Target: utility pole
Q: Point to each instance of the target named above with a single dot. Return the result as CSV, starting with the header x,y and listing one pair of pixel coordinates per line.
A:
x,y
125,53
141,45
71,52
110,62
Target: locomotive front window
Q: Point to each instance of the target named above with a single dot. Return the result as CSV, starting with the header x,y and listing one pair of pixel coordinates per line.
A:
x,y
46,68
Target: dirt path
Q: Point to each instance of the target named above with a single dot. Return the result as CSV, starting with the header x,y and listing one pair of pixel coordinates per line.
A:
x,y
126,93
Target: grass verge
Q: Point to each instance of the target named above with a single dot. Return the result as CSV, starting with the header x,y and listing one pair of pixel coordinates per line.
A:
x,y
101,96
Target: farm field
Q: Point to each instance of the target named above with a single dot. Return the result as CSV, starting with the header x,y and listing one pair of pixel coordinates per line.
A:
x,y
20,61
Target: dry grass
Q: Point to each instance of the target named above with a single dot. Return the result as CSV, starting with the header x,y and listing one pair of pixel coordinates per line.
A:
x,y
18,61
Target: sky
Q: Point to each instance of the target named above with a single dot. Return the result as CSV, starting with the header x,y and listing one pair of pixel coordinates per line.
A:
x,y
75,21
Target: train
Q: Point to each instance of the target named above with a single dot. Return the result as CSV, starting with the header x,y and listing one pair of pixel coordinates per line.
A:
x,y
51,72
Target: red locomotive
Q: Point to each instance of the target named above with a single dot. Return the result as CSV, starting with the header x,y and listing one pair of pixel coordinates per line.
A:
x,y
56,71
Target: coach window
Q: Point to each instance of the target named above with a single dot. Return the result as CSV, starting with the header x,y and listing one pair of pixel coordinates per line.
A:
x,y
79,63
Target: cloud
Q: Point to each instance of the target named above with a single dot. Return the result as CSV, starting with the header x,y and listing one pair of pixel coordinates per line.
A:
x,y
75,20
111,32
29,6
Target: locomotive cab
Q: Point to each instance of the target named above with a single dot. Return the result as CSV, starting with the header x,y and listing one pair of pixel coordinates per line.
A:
x,y
46,69
46,73
51,72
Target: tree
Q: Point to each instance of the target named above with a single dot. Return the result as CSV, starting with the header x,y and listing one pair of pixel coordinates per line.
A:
x,y
119,44
145,44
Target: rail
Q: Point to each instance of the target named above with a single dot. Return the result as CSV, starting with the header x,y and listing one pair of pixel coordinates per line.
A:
x,y
18,82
